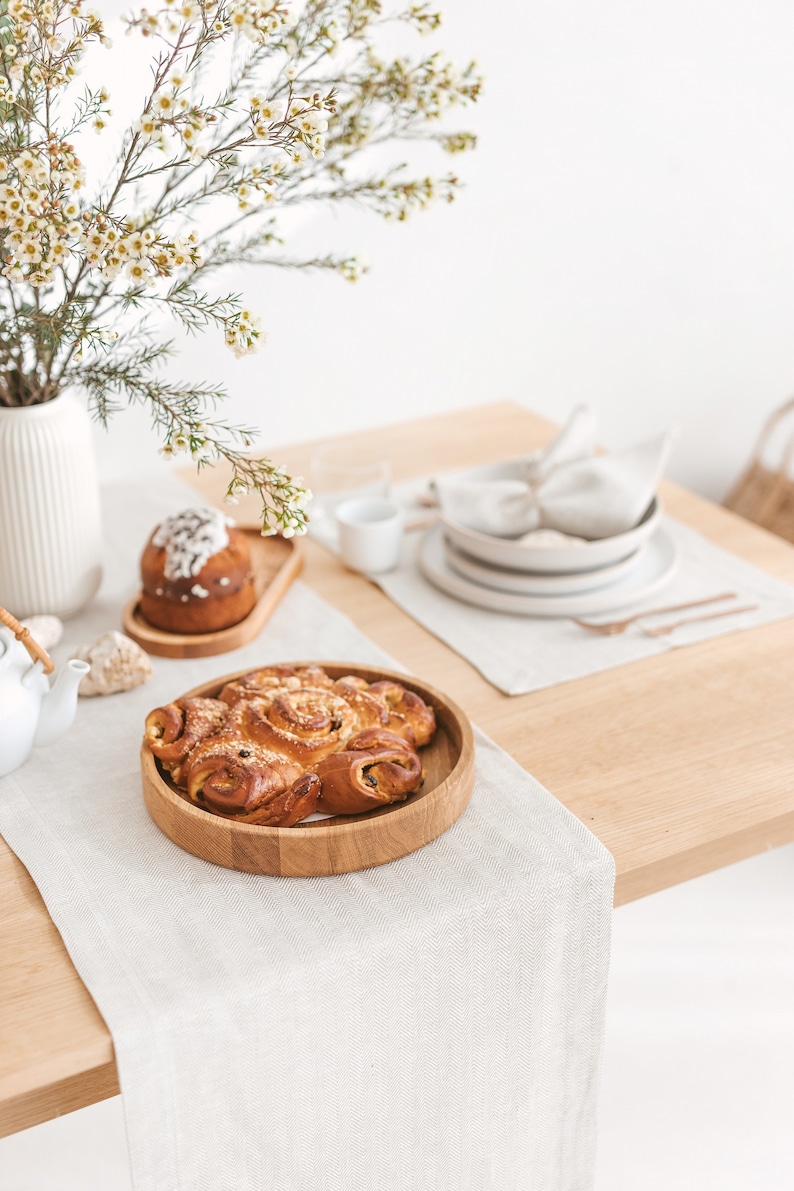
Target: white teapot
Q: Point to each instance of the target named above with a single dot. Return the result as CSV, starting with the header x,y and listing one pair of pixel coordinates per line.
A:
x,y
31,712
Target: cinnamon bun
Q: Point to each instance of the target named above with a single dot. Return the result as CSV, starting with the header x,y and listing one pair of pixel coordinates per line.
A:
x,y
303,725
236,778
258,682
173,730
409,707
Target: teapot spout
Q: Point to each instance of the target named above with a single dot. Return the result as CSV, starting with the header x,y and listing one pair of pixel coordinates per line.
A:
x,y
60,703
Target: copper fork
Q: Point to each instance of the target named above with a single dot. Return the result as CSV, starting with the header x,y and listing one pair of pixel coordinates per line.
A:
x,y
613,627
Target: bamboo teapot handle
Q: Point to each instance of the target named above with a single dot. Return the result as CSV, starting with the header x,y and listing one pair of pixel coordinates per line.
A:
x,y
31,644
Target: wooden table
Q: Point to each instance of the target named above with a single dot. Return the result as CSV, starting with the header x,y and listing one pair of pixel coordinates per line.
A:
x,y
680,763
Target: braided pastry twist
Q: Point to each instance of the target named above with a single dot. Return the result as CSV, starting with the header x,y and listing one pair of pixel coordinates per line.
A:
x,y
374,769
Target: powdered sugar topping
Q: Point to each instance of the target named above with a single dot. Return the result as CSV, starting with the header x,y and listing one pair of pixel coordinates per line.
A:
x,y
190,539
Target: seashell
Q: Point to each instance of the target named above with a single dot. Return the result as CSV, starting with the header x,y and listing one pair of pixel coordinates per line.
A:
x,y
117,664
47,630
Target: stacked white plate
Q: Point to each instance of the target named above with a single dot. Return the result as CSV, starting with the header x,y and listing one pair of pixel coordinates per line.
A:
x,y
572,578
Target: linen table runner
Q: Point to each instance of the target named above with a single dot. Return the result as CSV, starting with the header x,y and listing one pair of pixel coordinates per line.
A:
x,y
434,1024
518,654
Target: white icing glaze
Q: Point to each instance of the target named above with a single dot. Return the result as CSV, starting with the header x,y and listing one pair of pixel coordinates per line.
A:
x,y
190,539
198,590
224,582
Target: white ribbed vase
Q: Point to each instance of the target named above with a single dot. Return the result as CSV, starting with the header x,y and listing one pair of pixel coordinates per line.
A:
x,y
50,530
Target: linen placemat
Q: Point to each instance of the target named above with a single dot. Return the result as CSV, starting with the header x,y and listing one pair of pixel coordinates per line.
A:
x,y
518,654
435,1023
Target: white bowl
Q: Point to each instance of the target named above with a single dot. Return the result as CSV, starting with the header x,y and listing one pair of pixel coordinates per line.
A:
x,y
514,555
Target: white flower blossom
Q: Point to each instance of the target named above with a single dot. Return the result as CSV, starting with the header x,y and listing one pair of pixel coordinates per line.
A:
x,y
163,103
272,111
243,334
203,452
138,272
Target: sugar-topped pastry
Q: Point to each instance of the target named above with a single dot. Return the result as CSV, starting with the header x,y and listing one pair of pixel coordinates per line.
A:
x,y
196,572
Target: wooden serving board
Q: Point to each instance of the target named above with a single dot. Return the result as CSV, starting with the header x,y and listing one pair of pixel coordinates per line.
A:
x,y
344,843
275,561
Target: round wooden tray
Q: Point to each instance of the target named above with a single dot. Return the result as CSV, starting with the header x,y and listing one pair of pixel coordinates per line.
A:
x,y
342,844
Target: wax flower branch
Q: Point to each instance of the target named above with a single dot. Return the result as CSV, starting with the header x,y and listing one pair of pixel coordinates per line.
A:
x,y
88,265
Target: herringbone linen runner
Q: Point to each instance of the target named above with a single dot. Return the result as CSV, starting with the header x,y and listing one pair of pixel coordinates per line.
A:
x,y
435,1024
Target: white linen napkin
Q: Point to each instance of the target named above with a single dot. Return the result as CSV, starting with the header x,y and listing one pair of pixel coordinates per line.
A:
x,y
565,487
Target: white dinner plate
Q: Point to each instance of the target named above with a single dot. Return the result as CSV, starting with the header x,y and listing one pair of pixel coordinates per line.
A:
x,y
655,569
523,583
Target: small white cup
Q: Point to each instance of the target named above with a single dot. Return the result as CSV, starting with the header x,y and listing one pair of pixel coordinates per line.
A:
x,y
370,533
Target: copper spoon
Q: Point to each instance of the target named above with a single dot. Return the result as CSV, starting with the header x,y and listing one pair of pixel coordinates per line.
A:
x,y
677,624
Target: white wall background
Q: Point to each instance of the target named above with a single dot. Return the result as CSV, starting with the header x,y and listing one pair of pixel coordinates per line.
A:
x,y
626,235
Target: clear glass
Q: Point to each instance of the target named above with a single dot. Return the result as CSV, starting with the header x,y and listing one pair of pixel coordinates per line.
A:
x,y
339,471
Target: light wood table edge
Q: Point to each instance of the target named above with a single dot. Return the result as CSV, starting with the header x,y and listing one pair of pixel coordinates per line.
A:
x,y
49,1101
697,862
